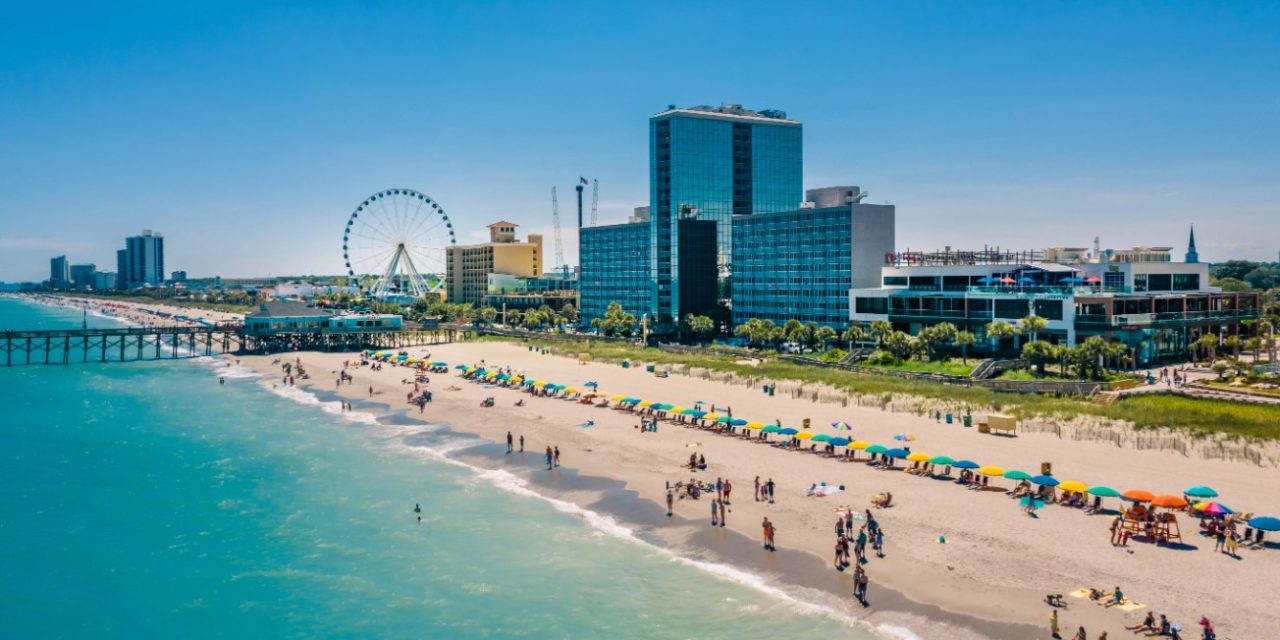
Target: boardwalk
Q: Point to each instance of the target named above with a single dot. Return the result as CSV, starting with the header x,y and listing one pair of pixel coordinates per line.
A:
x,y
73,346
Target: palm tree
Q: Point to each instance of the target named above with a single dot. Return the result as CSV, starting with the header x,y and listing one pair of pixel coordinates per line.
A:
x,y
853,334
1039,352
999,331
824,336
964,339
1032,325
880,329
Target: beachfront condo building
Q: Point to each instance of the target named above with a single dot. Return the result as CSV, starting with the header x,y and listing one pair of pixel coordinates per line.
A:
x,y
800,264
1139,296
468,266
143,261
59,272
713,164
555,289
615,267
82,275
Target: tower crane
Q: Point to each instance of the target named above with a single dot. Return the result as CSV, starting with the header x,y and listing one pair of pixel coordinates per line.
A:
x,y
555,217
595,199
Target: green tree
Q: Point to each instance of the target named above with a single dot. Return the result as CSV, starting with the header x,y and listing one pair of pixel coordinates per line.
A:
x,y
1032,325
853,334
1207,346
964,340
999,331
488,314
900,345
880,329
809,337
1039,352
702,327
616,321
570,313
825,336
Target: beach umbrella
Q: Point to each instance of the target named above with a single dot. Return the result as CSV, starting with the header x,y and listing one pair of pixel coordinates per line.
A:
x,y
1169,502
859,445
631,400
917,456
1104,492
804,435
754,425
591,383
1212,509
539,383
897,453
680,410
841,426
570,390
527,383
502,376
1201,491
905,437
1017,475
1138,495
988,280
698,414
991,470
1073,280
711,416
773,428
1006,280
839,442
1026,280
788,431
1045,481
1266,523
1073,485
946,460
644,403
875,448
1093,279
724,420
688,412
966,464
821,437
738,422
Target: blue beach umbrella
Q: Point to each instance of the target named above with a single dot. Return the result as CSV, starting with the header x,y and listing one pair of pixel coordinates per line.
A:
x,y
988,280
788,431
966,464
839,442
897,453
1201,491
1045,481
461,367
591,383
1073,280
1026,280
1266,523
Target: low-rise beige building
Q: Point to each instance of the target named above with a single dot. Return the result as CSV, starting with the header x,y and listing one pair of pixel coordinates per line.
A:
x,y
469,266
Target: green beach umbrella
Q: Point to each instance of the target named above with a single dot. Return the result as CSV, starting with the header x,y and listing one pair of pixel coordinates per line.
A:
x,y
875,448
948,460
773,428
821,437
1105,492
1017,475
1201,491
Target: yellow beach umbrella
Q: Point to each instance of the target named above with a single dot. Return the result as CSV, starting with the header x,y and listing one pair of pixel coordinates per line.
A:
x,y
991,470
1072,485
753,425
919,457
675,409
644,403
617,398
805,435
539,383
859,444
570,390
711,416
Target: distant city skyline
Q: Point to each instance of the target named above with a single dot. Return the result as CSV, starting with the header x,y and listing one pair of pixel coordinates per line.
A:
x,y
248,133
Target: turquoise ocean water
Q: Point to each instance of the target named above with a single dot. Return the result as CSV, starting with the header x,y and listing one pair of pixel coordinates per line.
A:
x,y
145,500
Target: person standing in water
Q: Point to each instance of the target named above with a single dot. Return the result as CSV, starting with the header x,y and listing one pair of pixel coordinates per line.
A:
x,y
670,500
548,458
510,443
557,456
715,512
522,443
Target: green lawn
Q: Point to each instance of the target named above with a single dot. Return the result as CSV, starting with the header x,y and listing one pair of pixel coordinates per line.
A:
x,y
1195,416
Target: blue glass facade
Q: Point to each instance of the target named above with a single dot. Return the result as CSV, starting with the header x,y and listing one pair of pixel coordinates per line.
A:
x,y
714,164
795,264
615,268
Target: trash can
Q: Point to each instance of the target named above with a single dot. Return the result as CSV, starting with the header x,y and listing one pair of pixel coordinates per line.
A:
x,y
968,421
772,388
626,364
648,369
948,418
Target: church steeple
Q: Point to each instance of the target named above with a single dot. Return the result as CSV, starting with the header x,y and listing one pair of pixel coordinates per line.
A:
x,y
1192,256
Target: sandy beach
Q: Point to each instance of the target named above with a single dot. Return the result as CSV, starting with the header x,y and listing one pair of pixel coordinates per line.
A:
x,y
996,564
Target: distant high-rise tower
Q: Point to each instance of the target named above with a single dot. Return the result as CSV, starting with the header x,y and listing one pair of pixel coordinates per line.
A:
x,y
1192,256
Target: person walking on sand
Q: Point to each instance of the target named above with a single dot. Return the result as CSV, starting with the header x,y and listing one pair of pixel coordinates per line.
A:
x,y
879,542
1053,625
724,514
370,391
719,489
757,488
727,488
548,458
671,497
510,443
522,443
1081,634
769,487
557,456
715,512
860,585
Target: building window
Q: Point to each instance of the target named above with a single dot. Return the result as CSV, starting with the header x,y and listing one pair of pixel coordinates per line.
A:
x,y
1049,309
1012,309
872,305
895,281
1186,282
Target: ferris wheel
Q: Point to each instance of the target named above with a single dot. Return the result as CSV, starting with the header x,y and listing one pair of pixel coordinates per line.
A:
x,y
399,238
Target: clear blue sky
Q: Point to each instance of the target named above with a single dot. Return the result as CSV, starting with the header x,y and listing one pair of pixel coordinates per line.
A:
x,y
247,133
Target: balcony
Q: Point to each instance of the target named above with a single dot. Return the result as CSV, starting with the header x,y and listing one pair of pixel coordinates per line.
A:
x,y
1165,320
939,314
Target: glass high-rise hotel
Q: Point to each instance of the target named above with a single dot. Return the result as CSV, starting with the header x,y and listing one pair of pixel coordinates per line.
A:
x,y
711,164
615,268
